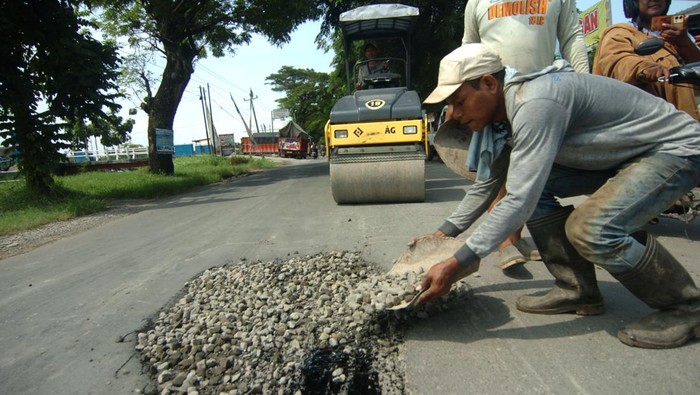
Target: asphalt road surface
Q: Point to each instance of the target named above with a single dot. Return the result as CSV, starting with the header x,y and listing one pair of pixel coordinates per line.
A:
x,y
64,305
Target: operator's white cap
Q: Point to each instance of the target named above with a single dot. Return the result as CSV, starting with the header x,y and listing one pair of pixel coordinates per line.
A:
x,y
468,62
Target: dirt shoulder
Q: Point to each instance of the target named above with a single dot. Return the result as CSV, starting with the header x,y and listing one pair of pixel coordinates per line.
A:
x,y
28,240
25,241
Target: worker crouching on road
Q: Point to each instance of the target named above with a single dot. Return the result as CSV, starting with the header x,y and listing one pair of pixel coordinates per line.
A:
x,y
574,134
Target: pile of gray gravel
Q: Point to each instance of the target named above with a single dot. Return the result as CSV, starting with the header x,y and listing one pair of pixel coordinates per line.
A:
x,y
312,324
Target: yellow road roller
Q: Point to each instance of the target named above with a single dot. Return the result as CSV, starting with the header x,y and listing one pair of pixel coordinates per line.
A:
x,y
376,137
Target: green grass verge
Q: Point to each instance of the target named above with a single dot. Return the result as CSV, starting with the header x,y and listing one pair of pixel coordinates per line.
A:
x,y
91,192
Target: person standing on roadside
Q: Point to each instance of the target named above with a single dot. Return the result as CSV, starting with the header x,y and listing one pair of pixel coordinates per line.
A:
x,y
527,41
616,57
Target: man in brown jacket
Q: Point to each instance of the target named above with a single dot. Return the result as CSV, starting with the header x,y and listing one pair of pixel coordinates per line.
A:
x,y
616,57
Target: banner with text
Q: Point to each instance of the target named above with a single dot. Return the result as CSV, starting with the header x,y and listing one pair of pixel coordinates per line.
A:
x,y
164,142
594,20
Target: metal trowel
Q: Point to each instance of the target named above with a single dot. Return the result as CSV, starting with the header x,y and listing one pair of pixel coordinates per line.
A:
x,y
421,256
407,303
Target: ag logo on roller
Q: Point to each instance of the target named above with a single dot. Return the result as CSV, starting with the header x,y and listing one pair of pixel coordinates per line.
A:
x,y
375,104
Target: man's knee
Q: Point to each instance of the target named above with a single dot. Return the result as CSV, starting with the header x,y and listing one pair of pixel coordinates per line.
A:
x,y
580,234
595,242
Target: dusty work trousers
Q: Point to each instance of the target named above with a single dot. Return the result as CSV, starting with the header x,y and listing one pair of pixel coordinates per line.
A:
x,y
620,202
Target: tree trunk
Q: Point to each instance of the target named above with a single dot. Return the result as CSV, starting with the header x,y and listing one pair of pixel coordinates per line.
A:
x,y
36,157
163,107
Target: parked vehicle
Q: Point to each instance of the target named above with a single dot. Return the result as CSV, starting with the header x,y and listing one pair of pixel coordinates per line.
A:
x,y
228,145
5,163
260,144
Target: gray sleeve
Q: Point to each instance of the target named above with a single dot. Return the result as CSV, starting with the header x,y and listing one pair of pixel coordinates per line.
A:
x,y
471,27
478,197
571,42
538,129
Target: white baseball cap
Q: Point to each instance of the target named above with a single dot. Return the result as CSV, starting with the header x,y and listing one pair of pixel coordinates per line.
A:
x,y
468,62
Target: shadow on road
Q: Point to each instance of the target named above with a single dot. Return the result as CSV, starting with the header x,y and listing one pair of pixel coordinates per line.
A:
x,y
484,316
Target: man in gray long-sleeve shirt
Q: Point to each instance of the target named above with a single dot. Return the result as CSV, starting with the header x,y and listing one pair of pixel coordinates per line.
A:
x,y
575,134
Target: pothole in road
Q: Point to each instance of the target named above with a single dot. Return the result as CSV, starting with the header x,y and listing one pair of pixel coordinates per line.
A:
x,y
312,324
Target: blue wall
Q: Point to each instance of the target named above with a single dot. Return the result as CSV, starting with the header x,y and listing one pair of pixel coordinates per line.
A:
x,y
202,149
184,150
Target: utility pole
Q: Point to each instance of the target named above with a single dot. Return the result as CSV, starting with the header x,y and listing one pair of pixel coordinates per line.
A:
x,y
250,132
203,98
252,108
211,124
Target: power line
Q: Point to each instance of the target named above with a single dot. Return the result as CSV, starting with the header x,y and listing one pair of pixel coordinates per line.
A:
x,y
190,95
219,77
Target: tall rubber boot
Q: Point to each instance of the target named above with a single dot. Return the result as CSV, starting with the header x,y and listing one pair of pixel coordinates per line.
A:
x,y
575,286
661,282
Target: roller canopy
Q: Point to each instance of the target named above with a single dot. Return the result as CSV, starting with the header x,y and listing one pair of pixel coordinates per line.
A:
x,y
378,20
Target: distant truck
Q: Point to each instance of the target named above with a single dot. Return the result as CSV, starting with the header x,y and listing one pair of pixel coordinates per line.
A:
x,y
262,144
293,147
228,145
293,141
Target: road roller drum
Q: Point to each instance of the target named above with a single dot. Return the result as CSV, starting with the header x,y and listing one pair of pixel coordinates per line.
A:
x,y
378,178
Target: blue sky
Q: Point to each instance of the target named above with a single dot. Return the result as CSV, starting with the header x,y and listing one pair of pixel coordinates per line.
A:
x,y
247,69
619,15
236,75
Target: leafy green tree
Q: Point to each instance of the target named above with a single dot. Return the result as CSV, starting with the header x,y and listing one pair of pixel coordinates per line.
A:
x,y
53,76
308,97
184,31
112,130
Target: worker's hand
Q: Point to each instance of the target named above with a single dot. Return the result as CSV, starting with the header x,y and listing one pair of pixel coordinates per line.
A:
x,y
439,279
437,233
653,73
